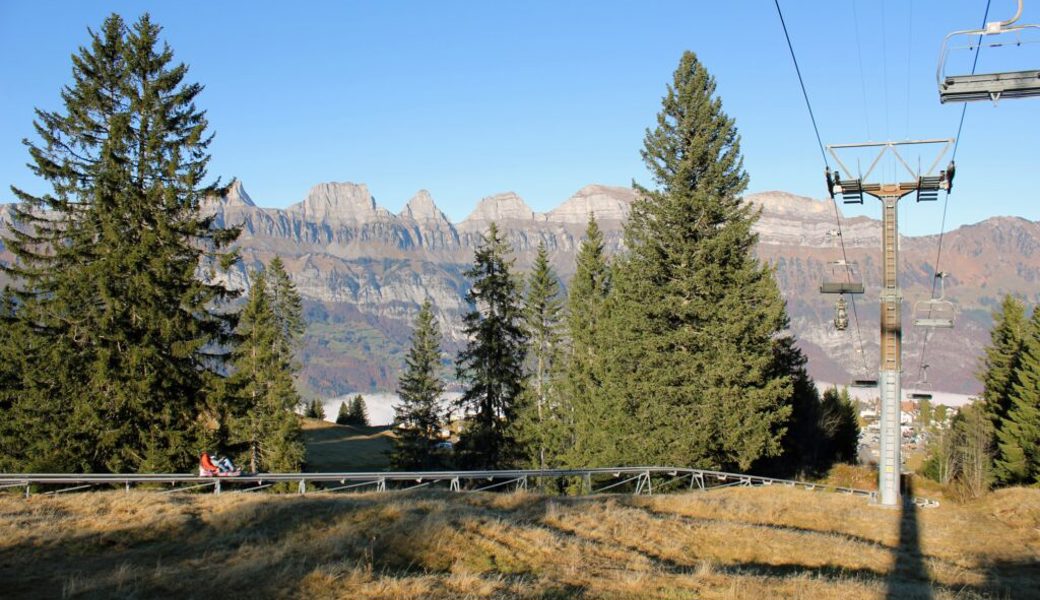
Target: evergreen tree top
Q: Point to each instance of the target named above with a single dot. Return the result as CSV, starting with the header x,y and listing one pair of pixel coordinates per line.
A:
x,y
695,146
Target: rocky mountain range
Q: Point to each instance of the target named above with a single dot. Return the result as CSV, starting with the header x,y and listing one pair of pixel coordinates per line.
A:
x,y
363,271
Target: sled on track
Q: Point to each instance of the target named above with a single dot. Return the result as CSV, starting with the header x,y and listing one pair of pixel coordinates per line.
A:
x,y
209,473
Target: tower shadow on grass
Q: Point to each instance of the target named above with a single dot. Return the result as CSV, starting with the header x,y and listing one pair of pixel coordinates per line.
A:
x,y
909,578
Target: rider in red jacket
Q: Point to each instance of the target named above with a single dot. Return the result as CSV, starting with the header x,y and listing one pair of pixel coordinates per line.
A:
x,y
206,464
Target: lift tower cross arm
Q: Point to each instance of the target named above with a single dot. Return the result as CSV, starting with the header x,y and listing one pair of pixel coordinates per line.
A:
x,y
851,188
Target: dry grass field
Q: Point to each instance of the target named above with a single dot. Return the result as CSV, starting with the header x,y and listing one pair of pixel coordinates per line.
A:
x,y
732,543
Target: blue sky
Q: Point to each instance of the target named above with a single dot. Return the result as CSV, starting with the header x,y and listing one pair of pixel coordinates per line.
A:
x,y
467,99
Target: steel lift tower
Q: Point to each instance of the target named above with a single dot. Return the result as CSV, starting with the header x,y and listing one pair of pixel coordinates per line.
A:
x,y
851,188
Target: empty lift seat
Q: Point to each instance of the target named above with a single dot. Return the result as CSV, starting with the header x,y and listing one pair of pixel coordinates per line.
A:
x,y
928,187
989,86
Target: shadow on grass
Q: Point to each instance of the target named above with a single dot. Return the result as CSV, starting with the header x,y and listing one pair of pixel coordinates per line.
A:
x,y
909,576
267,546
199,556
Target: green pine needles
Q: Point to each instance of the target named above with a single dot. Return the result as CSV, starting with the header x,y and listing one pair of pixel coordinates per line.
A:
x,y
120,338
121,351
1018,433
694,317
541,421
491,366
420,416
260,396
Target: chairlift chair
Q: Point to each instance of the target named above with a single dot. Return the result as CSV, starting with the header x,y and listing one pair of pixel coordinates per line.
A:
x,y
842,285
920,394
987,86
851,190
935,312
841,313
864,383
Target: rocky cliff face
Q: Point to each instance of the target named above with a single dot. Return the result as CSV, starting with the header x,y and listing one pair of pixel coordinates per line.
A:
x,y
363,271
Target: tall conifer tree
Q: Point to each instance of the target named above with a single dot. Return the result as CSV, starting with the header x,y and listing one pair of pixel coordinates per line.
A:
x,y
540,424
695,316
286,305
263,397
491,365
1002,357
419,415
358,411
589,418
124,331
1019,434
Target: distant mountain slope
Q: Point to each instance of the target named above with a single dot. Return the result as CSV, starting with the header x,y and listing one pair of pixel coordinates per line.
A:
x,y
363,272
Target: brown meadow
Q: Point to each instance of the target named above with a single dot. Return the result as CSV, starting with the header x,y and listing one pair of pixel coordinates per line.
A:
x,y
730,543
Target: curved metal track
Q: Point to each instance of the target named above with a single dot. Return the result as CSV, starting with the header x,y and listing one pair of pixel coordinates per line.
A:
x,y
642,480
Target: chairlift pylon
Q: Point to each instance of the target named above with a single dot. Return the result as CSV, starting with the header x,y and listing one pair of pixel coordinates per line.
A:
x,y
935,312
987,86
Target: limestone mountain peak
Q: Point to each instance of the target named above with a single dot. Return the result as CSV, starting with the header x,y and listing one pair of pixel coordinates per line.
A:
x,y
506,206
337,202
236,195
422,208
607,203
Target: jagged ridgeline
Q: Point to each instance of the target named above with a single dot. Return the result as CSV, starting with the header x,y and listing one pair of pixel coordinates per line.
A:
x,y
364,271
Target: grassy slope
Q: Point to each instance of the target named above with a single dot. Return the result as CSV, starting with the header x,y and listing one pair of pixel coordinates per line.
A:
x,y
733,543
342,448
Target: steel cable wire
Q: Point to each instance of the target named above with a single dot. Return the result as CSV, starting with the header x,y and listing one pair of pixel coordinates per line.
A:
x,y
823,154
946,198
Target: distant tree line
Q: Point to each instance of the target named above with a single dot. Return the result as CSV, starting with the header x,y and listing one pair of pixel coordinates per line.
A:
x,y
676,353
353,413
996,439
120,348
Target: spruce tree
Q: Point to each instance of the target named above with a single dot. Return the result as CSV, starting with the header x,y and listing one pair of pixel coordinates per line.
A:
x,y
695,316
588,417
539,425
263,396
1002,357
358,411
126,335
419,416
490,367
1019,434
287,306
316,410
839,421
343,416
806,442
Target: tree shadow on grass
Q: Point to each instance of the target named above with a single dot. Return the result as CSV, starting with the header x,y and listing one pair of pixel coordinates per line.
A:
x,y
197,555
269,545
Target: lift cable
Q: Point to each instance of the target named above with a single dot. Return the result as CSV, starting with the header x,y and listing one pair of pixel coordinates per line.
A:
x,y
946,198
837,216
805,94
